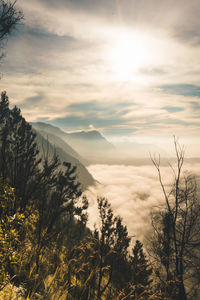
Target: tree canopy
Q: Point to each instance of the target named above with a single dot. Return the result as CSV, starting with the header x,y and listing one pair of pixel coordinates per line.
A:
x,y
10,17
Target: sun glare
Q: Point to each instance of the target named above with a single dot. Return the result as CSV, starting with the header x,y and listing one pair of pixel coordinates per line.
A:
x,y
128,53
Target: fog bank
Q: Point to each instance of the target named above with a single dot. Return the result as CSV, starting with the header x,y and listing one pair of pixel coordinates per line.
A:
x,y
133,192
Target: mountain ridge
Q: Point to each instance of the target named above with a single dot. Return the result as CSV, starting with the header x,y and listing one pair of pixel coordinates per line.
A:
x,y
52,145
91,145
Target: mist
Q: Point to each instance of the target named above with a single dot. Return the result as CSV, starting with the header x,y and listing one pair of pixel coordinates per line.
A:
x,y
133,192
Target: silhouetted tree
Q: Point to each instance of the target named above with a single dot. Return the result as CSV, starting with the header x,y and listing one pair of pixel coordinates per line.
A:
x,y
101,258
18,151
120,262
10,16
113,244
176,241
140,270
58,204
4,132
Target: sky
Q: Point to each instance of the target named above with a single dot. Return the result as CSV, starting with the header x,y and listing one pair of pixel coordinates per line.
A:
x,y
128,68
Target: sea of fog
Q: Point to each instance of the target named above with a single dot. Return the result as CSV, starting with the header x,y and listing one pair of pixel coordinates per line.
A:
x,y
133,191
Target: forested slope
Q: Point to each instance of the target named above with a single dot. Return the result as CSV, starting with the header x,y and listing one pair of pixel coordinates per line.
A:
x,y
50,144
46,250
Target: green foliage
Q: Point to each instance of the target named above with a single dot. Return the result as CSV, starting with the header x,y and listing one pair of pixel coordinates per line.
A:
x,y
11,228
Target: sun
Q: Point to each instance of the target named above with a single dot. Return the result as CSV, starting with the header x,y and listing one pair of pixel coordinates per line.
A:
x,y
128,53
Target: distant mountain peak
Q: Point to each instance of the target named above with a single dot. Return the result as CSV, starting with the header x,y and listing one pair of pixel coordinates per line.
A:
x,y
45,126
90,144
90,134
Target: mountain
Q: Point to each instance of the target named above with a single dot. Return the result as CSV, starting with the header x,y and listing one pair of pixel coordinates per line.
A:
x,y
56,137
52,145
86,146
92,145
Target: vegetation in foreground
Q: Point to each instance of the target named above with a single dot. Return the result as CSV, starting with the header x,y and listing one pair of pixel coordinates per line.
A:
x,y
47,251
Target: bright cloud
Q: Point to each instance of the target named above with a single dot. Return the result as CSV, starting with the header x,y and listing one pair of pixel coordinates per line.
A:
x,y
141,53
133,192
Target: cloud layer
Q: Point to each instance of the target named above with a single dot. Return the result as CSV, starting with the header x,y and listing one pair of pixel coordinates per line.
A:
x,y
133,192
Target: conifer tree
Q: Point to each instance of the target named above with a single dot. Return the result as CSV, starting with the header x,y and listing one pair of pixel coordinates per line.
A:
x,y
141,269
58,204
9,18
113,244
4,132
19,153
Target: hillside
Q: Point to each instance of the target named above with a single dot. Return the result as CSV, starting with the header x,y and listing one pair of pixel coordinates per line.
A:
x,y
86,146
56,137
56,145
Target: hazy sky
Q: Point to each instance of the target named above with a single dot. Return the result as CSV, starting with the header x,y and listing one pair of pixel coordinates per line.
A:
x,y
126,67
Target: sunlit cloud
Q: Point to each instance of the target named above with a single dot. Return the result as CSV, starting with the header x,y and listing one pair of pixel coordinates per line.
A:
x,y
133,192
141,54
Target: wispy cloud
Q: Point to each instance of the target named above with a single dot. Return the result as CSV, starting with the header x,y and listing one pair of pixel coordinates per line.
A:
x,y
60,59
182,89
